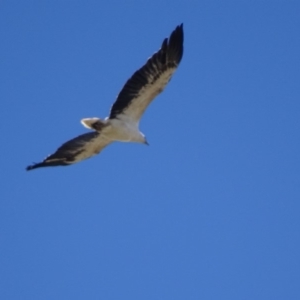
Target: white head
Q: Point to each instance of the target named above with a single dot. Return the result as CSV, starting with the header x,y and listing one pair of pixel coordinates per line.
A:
x,y
142,139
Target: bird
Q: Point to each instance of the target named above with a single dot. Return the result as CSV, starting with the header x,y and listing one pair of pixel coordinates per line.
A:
x,y
122,124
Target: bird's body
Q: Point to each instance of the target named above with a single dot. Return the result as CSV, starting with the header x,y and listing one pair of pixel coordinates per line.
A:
x,y
123,131
123,122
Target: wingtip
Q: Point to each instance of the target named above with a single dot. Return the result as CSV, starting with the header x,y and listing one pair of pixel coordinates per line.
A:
x,y
48,163
33,166
178,32
175,42
179,27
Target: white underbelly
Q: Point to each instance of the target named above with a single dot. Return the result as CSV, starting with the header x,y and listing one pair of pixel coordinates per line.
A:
x,y
121,131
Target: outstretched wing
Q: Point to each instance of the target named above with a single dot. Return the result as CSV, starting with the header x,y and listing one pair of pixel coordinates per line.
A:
x,y
75,150
150,80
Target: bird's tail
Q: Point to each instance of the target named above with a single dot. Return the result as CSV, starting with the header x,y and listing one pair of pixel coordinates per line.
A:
x,y
93,123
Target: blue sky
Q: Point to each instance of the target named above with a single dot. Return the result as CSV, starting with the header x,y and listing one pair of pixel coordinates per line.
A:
x,y
210,210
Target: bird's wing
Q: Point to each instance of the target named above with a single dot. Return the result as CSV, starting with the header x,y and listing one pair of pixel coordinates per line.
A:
x,y
150,80
75,150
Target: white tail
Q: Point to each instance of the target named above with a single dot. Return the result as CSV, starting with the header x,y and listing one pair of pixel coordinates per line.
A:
x,y
93,123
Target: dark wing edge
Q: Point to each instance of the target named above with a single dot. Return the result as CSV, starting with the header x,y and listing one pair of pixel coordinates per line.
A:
x,y
168,57
67,153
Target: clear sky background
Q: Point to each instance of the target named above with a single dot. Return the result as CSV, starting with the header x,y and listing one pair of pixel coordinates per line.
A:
x,y
210,210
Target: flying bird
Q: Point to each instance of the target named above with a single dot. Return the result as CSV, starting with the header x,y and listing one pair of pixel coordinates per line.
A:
x,y
123,121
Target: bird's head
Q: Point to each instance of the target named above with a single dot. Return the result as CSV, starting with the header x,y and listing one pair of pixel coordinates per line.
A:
x,y
142,139
145,141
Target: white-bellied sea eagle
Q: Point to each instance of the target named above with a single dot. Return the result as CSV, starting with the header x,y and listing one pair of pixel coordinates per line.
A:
x,y
123,121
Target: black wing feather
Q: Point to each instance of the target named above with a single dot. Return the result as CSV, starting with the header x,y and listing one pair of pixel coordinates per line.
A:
x,y
169,56
67,153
